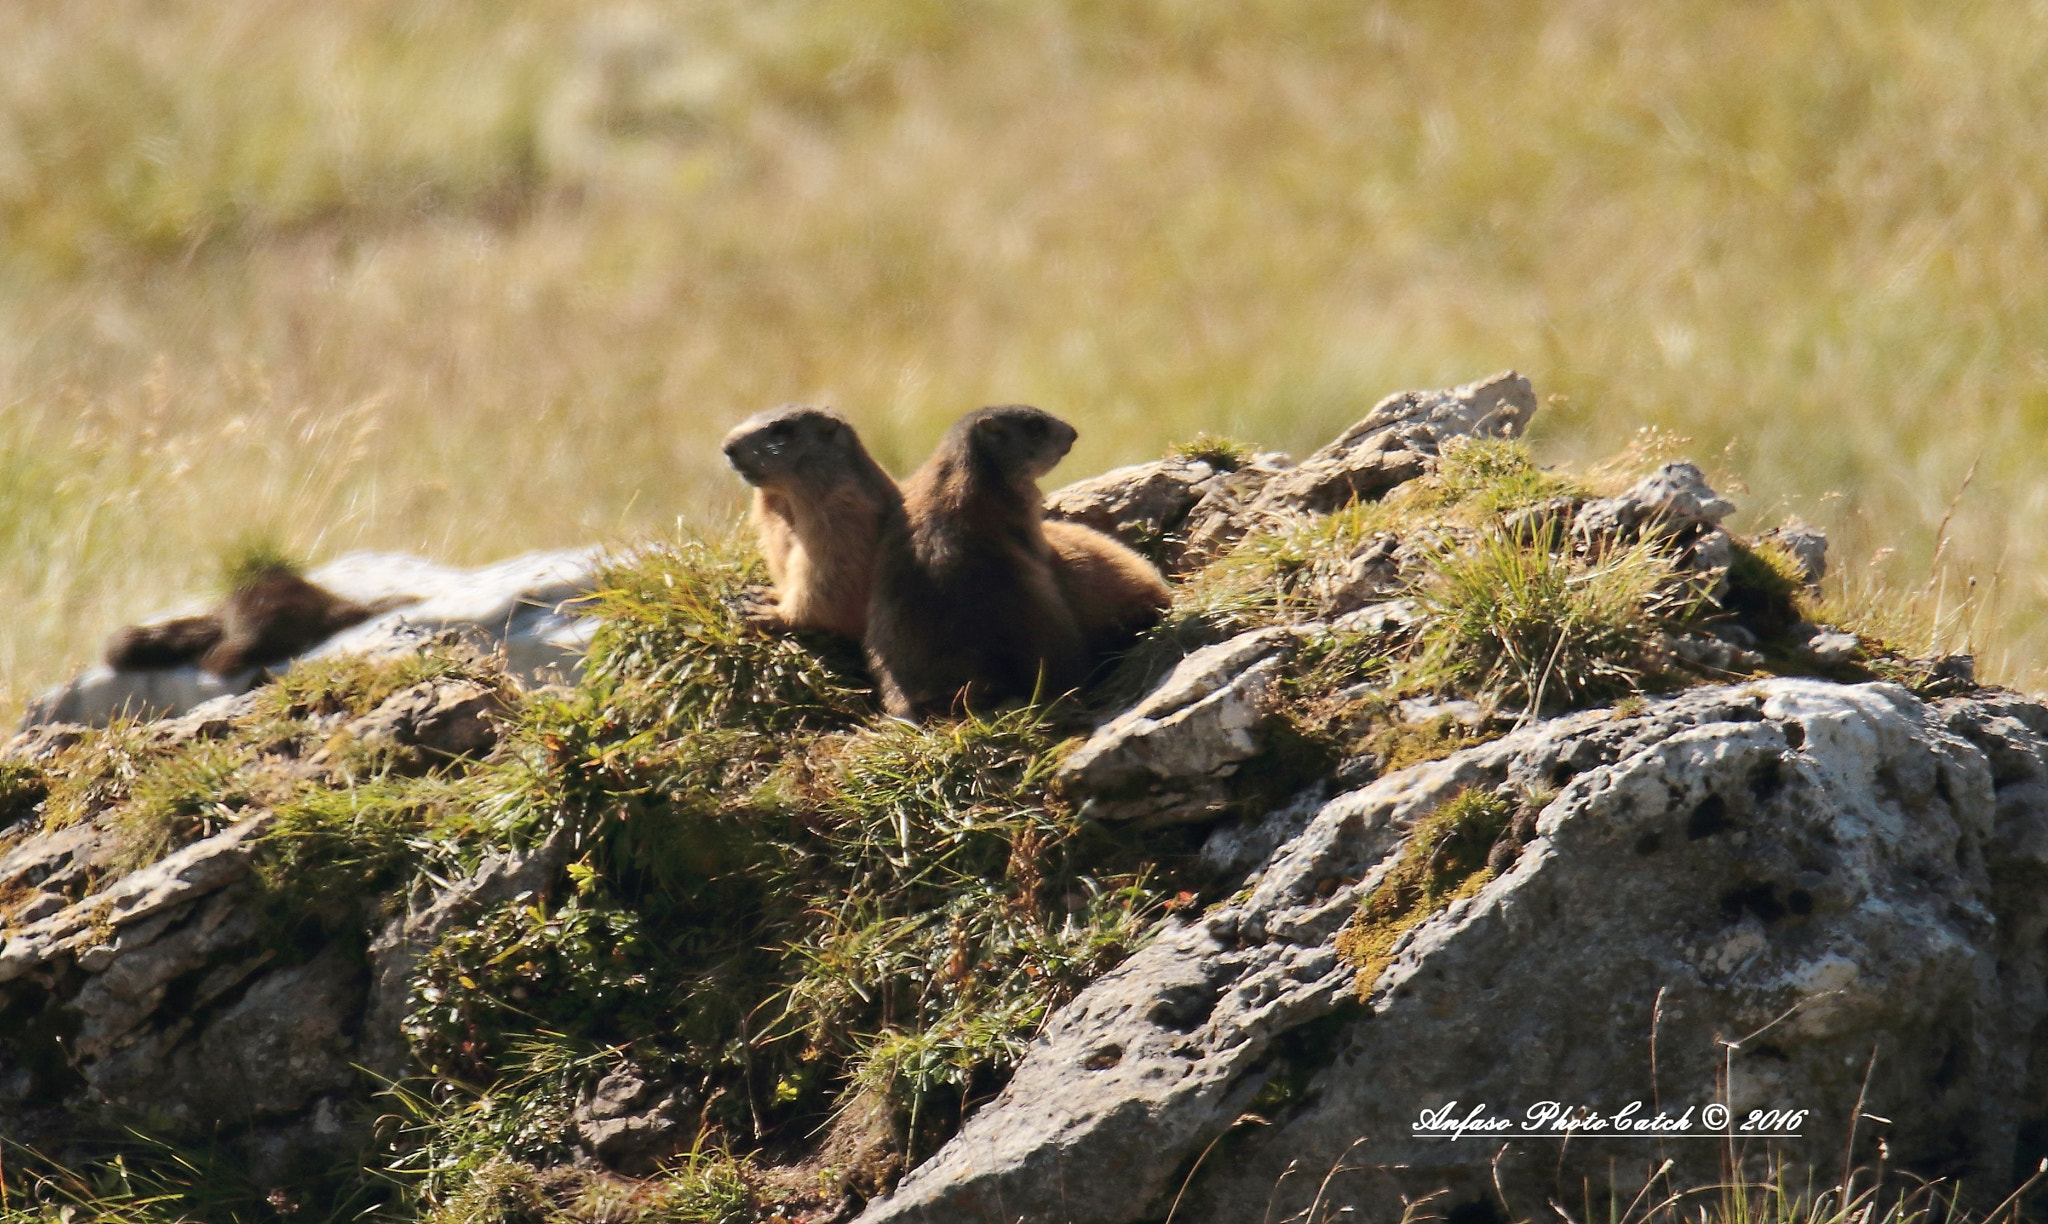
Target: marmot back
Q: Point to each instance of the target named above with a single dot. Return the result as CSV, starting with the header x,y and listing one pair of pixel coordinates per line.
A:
x,y
1115,593
819,505
267,619
966,607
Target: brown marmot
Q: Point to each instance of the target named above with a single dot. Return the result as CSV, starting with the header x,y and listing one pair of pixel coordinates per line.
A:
x,y
966,608
819,505
269,617
1115,593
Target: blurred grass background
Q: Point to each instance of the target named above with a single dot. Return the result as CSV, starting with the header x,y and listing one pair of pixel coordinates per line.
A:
x,y
475,278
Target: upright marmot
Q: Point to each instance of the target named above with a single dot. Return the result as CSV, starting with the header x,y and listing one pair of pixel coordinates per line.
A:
x,y
269,616
966,608
819,506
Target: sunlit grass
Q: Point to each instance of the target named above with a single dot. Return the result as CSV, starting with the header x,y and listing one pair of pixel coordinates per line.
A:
x,y
477,279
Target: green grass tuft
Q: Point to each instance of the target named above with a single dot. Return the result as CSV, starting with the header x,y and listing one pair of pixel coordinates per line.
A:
x,y
23,788
1529,623
1222,453
253,556
185,794
677,652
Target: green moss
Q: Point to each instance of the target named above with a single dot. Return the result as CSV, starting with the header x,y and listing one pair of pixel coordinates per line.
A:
x,y
1222,453
1398,745
251,557
1483,478
1443,859
23,787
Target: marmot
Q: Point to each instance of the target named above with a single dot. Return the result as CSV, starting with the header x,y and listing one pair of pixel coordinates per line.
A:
x,y
1115,593
268,618
966,607
819,505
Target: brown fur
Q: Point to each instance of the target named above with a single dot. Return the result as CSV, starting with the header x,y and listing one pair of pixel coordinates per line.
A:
x,y
966,606
819,505
269,619
171,643
1115,593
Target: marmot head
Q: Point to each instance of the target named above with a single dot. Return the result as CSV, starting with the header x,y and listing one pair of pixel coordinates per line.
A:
x,y
1017,442
794,441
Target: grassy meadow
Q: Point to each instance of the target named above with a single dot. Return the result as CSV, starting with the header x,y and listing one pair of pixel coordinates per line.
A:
x,y
470,279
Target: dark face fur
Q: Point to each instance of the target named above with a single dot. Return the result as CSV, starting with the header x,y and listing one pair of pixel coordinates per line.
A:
x,y
1021,442
774,445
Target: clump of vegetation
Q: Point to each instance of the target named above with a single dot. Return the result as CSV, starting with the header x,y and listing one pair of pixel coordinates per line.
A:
x,y
1222,453
1540,625
778,906
181,796
1482,478
353,685
678,653
1445,858
23,787
251,557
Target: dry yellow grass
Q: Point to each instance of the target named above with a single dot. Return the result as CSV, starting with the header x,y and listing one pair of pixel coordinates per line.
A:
x,y
472,279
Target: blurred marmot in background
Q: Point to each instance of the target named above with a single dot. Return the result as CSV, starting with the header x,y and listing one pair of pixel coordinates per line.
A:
x,y
967,608
271,614
819,504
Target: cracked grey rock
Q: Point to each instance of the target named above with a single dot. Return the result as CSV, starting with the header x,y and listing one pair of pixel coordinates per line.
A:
x,y
1809,871
1162,760
437,718
1174,510
1807,544
629,1123
1670,497
1382,619
1398,441
1833,647
83,930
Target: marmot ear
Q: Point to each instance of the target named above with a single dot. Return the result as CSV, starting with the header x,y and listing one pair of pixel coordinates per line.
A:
x,y
987,425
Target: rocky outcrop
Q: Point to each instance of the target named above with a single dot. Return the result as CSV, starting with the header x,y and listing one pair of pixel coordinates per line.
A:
x,y
1779,895
175,993
1186,512
1169,758
522,606
1778,888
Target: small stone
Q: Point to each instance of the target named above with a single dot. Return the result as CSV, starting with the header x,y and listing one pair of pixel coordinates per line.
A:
x,y
1807,544
1833,647
39,906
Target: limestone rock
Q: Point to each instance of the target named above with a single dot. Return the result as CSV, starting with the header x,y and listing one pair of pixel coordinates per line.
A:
x,y
1777,879
1165,759
629,1123
1398,440
1171,510
432,720
522,606
1670,497
1807,544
